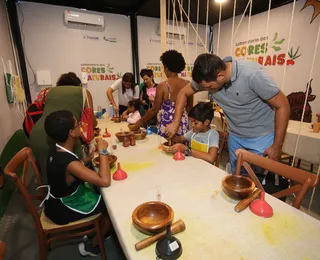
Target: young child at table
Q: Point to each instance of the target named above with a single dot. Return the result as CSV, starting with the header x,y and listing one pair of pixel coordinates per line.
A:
x,y
203,141
132,114
71,196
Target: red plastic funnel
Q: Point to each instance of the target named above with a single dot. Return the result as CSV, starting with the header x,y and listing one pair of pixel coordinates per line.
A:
x,y
119,175
261,208
178,156
106,134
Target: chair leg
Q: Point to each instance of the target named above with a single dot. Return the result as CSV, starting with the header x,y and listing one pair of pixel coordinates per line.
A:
x,y
311,167
100,240
43,250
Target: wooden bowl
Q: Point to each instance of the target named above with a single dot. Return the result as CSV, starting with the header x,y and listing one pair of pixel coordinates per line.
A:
x,y
140,134
165,146
152,217
237,187
112,160
133,127
117,119
122,135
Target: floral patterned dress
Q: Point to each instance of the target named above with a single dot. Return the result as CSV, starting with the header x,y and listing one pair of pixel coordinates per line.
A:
x,y
166,115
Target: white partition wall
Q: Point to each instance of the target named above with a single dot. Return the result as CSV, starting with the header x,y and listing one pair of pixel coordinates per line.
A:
x,y
50,45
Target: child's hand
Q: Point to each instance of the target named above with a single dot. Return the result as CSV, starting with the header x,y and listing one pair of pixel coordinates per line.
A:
x,y
174,148
101,144
151,98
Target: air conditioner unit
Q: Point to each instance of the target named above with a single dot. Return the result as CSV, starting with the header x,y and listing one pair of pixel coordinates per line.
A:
x,y
177,31
85,19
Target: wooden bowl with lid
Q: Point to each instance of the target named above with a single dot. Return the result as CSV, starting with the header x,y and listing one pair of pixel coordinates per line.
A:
x,y
122,135
152,217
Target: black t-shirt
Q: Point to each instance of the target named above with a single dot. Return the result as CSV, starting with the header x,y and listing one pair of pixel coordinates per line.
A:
x,y
57,164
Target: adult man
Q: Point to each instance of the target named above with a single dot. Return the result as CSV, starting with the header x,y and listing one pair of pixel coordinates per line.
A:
x,y
256,110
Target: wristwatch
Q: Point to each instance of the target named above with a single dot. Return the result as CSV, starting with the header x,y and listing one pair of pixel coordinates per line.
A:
x,y
104,152
187,152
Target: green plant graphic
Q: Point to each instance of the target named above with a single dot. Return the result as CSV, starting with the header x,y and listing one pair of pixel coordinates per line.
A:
x,y
295,55
277,42
109,68
119,75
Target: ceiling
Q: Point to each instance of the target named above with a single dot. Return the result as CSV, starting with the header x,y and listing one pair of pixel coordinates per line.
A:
x,y
151,8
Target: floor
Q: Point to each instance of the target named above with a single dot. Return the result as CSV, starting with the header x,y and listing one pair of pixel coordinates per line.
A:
x,y
18,232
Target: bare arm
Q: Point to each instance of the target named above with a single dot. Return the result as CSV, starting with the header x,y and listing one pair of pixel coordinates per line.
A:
x,y
181,102
110,97
282,113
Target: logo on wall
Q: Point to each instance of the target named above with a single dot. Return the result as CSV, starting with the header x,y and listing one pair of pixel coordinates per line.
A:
x,y
110,39
100,72
316,8
267,55
88,37
158,41
156,68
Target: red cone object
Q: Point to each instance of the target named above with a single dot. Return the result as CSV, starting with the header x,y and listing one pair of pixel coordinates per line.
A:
x,y
119,175
261,208
106,134
178,156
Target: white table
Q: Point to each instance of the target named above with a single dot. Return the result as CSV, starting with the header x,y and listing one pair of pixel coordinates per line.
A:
x,y
193,189
309,142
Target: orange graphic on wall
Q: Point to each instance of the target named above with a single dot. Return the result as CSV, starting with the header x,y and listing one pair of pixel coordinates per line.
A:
x,y
316,8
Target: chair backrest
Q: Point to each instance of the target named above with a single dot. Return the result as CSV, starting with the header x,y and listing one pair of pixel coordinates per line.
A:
x,y
2,250
223,121
223,136
24,157
303,180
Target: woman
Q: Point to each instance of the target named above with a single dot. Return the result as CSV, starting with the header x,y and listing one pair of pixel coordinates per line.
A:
x,y
127,89
63,97
71,196
146,87
167,92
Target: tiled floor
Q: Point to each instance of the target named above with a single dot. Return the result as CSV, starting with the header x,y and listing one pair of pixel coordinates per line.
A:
x,y
18,231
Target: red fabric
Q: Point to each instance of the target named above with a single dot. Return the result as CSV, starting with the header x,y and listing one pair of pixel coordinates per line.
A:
x,y
87,133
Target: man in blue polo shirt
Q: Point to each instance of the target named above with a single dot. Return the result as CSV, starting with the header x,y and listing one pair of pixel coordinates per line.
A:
x,y
256,110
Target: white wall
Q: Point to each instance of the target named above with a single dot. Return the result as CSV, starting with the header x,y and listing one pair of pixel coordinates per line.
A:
x,y
50,45
150,47
303,34
10,121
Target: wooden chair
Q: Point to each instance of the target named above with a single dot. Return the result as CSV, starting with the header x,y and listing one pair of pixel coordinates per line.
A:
x,y
302,180
47,231
223,137
223,121
2,250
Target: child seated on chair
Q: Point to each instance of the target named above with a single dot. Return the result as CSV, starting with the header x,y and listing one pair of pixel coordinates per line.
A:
x,y
203,141
71,194
132,114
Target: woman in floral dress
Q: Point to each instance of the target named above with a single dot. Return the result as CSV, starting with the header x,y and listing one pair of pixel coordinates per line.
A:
x,y
166,94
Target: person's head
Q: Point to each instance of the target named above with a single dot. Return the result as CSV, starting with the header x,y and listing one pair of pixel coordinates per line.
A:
x,y
173,62
69,79
134,105
201,116
61,125
147,76
209,70
128,82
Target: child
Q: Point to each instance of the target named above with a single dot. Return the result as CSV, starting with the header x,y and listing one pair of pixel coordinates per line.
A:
x,y
132,114
203,141
71,197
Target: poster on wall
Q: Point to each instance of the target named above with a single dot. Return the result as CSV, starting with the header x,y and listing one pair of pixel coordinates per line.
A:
x,y
101,72
156,68
268,52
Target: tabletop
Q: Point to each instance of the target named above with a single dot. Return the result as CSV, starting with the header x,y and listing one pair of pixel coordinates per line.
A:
x,y
193,189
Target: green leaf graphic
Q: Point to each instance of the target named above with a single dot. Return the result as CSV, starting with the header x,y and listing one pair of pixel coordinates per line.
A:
x,y
279,42
275,36
297,56
276,48
297,51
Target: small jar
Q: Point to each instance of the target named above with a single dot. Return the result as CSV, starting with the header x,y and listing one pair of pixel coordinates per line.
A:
x,y
132,140
126,141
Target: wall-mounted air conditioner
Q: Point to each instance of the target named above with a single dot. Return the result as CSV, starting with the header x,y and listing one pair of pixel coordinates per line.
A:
x,y
177,31
85,19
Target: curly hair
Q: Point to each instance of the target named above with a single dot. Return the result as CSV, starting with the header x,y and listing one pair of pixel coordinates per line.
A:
x,y
173,61
69,79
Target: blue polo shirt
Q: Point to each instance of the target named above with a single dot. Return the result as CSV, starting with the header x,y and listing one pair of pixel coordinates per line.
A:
x,y
244,99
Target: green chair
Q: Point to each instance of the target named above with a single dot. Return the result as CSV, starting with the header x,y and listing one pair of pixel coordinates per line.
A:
x,y
14,145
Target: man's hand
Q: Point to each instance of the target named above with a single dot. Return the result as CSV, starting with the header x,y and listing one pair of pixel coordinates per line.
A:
x,y
273,152
171,129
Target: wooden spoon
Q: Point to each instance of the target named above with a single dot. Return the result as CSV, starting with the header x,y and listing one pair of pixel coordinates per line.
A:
x,y
243,204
